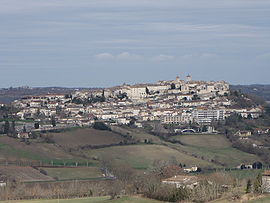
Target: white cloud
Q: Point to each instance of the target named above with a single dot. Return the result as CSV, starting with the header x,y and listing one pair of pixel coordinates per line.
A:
x,y
199,56
121,56
128,56
208,55
162,57
104,56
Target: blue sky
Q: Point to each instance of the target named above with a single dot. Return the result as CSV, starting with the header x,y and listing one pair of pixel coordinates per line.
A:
x,y
100,43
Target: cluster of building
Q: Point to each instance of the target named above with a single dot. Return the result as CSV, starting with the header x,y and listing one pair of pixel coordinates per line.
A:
x,y
171,102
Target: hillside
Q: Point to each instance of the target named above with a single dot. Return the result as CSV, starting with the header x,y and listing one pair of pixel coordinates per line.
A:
x,y
262,91
214,148
86,137
8,95
70,147
27,174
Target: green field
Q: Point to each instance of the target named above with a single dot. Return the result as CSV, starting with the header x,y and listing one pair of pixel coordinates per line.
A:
x,y
244,174
92,200
261,200
86,136
211,141
215,147
142,156
137,134
73,173
14,149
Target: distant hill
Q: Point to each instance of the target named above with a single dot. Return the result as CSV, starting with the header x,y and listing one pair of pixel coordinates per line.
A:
x,y
256,89
8,95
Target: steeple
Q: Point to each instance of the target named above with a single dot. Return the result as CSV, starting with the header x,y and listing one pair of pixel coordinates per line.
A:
x,y
188,78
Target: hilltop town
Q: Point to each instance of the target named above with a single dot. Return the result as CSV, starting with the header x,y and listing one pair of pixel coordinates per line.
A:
x,y
175,133
179,101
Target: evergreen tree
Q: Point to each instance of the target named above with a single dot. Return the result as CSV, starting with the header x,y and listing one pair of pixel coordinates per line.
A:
x,y
36,125
248,188
258,184
147,90
12,129
53,121
24,129
6,127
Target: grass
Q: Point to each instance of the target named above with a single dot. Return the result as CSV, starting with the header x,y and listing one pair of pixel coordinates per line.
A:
x,y
103,199
261,200
137,134
244,174
212,141
14,150
73,173
86,136
215,147
142,156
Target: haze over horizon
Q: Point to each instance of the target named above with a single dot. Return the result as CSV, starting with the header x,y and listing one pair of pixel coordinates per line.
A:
x,y
106,43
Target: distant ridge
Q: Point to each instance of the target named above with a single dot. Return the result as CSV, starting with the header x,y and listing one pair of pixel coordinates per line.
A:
x,y
10,94
260,90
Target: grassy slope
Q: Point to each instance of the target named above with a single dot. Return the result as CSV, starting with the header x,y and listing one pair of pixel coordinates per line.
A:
x,y
137,134
24,173
215,147
73,173
141,156
211,141
14,149
92,200
86,136
259,200
244,174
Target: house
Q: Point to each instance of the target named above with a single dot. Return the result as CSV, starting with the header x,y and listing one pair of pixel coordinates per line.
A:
x,y
23,135
182,181
3,181
191,169
266,181
243,133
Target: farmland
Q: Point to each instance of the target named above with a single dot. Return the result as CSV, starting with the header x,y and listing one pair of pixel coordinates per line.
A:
x,y
86,136
124,199
14,149
211,141
205,151
141,156
27,174
215,147
73,173
105,199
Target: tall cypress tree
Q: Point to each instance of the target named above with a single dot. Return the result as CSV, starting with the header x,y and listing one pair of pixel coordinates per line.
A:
x,y
6,127
258,184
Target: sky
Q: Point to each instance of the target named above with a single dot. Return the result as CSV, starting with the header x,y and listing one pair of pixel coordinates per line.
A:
x,y
102,43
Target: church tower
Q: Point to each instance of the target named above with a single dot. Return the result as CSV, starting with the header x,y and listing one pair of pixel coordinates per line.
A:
x,y
188,78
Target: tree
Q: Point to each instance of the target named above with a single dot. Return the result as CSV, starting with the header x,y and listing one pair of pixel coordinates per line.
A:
x,y
257,165
12,129
36,125
172,86
6,127
195,97
53,121
147,90
258,184
248,188
98,125
24,129
204,129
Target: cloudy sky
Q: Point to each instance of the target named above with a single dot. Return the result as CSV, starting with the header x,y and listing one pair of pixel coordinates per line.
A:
x,y
99,43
